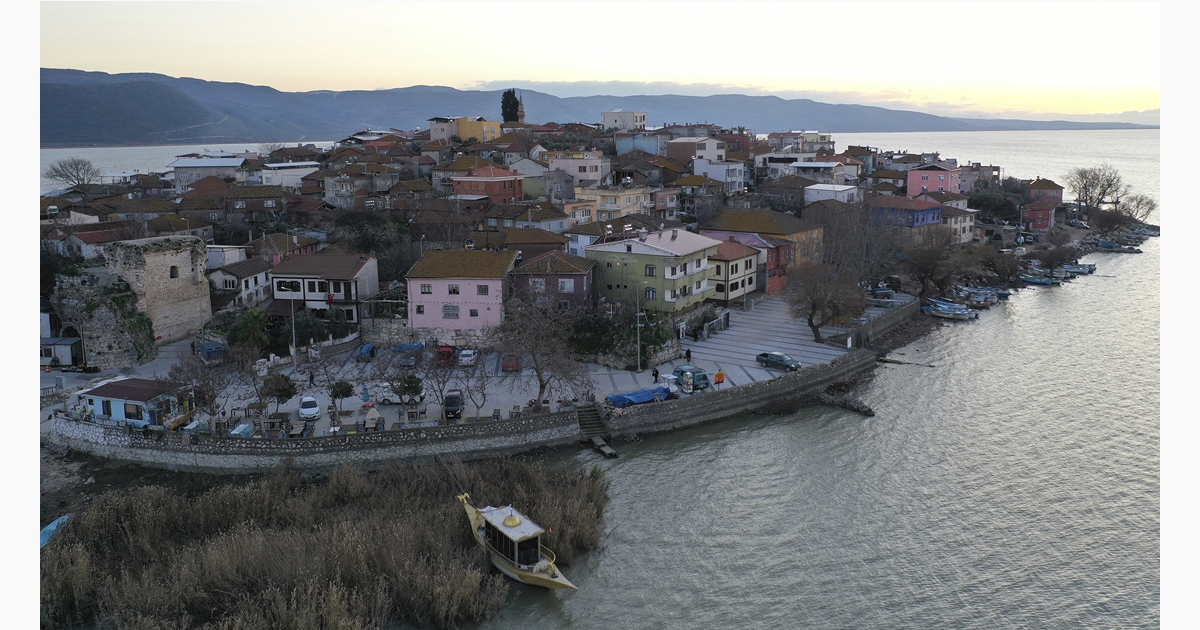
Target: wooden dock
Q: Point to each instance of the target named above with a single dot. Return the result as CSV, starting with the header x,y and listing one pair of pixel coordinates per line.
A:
x,y
606,450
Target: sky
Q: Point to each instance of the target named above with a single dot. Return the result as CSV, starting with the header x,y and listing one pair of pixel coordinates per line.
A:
x,y
1030,60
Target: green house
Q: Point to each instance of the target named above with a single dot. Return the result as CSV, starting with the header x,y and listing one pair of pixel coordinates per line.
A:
x,y
665,271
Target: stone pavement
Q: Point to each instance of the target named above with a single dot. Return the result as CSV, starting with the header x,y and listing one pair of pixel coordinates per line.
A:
x,y
768,327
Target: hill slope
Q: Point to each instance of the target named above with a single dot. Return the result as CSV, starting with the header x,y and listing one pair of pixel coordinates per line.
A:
x,y
96,108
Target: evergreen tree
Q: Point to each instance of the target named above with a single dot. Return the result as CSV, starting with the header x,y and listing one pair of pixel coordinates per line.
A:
x,y
509,104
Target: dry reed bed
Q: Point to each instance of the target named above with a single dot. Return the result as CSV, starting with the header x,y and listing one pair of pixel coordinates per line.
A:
x,y
356,551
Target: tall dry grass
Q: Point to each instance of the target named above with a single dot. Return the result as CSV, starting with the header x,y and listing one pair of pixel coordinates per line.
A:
x,y
356,550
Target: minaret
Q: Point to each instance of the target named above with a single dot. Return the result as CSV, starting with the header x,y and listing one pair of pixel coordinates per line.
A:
x,y
521,109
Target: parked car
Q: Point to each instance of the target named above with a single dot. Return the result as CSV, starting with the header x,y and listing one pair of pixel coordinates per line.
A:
x,y
452,404
408,360
1081,225
691,378
445,355
510,363
467,356
778,360
309,409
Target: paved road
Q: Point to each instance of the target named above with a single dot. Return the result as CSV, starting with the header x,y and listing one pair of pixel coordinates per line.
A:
x,y
768,327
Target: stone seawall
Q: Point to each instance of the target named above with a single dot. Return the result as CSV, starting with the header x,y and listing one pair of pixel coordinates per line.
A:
x,y
183,452
713,405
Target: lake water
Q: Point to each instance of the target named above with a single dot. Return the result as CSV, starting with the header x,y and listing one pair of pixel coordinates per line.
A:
x,y
1013,484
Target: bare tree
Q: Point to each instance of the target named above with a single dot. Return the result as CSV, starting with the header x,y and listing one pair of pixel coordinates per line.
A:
x,y
1096,186
209,382
1006,266
541,333
934,262
1138,207
73,172
821,294
267,148
475,381
856,242
1058,237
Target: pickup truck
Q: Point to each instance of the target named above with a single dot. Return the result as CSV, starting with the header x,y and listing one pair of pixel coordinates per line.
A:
x,y
778,360
452,404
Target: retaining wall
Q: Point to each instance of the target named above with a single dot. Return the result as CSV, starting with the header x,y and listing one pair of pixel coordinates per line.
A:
x,y
182,452
867,333
712,405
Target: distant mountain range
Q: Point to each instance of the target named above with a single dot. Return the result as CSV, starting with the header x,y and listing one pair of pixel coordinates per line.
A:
x,y
81,108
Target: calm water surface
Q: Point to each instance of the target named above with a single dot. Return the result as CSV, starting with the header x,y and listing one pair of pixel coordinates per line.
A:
x,y
1014,484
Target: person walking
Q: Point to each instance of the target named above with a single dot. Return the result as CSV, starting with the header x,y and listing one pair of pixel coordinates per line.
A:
x,y
312,377
654,374
687,356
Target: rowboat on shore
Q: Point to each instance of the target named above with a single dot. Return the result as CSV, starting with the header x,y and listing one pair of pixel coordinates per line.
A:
x,y
946,313
513,543
1047,280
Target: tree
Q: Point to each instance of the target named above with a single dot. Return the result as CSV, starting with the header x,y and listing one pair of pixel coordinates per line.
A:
x,y
475,383
1096,186
820,294
935,262
1138,207
209,382
858,243
267,148
542,334
339,326
340,390
1058,236
279,388
250,330
1054,257
1006,266
73,172
509,105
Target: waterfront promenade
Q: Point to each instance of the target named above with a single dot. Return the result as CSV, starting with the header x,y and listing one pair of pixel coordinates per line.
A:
x,y
767,327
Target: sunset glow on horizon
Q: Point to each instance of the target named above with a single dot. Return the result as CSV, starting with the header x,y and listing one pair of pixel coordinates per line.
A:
x,y
961,59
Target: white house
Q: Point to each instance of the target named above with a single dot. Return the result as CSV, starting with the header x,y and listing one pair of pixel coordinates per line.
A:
x,y
731,174
622,120
821,192
250,278
287,174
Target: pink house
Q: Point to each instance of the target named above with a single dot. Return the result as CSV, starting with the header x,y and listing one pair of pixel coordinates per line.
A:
x,y
932,178
455,295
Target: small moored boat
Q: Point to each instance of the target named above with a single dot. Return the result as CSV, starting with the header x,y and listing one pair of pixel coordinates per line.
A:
x,y
513,543
946,313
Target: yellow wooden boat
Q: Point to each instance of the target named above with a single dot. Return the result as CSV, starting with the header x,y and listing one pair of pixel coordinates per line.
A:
x,y
513,543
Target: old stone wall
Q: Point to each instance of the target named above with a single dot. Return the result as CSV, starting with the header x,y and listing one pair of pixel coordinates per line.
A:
x,y
104,314
713,404
876,328
386,331
183,452
167,276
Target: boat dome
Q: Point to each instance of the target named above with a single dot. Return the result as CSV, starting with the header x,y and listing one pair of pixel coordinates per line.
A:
x,y
512,520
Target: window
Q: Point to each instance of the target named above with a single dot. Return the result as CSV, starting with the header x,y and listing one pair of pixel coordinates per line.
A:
x,y
270,203
749,264
133,412
239,204
426,289
481,289
174,271
593,168
491,222
564,305
650,271
337,286
105,407
582,169
287,286
698,283
449,311
255,280
941,178
47,352
322,286
245,284
231,284
474,312
700,145
651,293
720,288
213,216
924,178
566,285
537,285
420,309
312,286
453,289
733,268
750,281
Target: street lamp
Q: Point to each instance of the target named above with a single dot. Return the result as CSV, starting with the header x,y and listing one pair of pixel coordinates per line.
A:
x,y
638,314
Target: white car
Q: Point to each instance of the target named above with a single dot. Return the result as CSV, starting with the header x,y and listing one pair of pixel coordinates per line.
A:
x,y
468,357
309,409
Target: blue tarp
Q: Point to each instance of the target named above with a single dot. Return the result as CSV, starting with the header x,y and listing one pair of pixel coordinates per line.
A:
x,y
49,530
636,398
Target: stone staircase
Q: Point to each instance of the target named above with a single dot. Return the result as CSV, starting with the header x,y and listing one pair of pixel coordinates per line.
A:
x,y
590,424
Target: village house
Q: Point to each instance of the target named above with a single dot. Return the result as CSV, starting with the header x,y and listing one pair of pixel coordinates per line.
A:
x,y
273,247
442,175
621,120
530,242
176,225
946,198
819,192
651,142
613,202
684,150
322,283
585,234
666,271
732,175
136,400
734,271
287,175
1039,215
248,281
189,170
961,223
805,236
558,278
976,176
497,184
938,177
1040,189
774,257
453,296
914,218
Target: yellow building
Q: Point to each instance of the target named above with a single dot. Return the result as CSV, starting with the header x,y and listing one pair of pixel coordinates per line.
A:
x,y
478,128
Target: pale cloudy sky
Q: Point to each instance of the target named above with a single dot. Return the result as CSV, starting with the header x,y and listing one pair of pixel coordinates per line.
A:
x,y
1076,60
